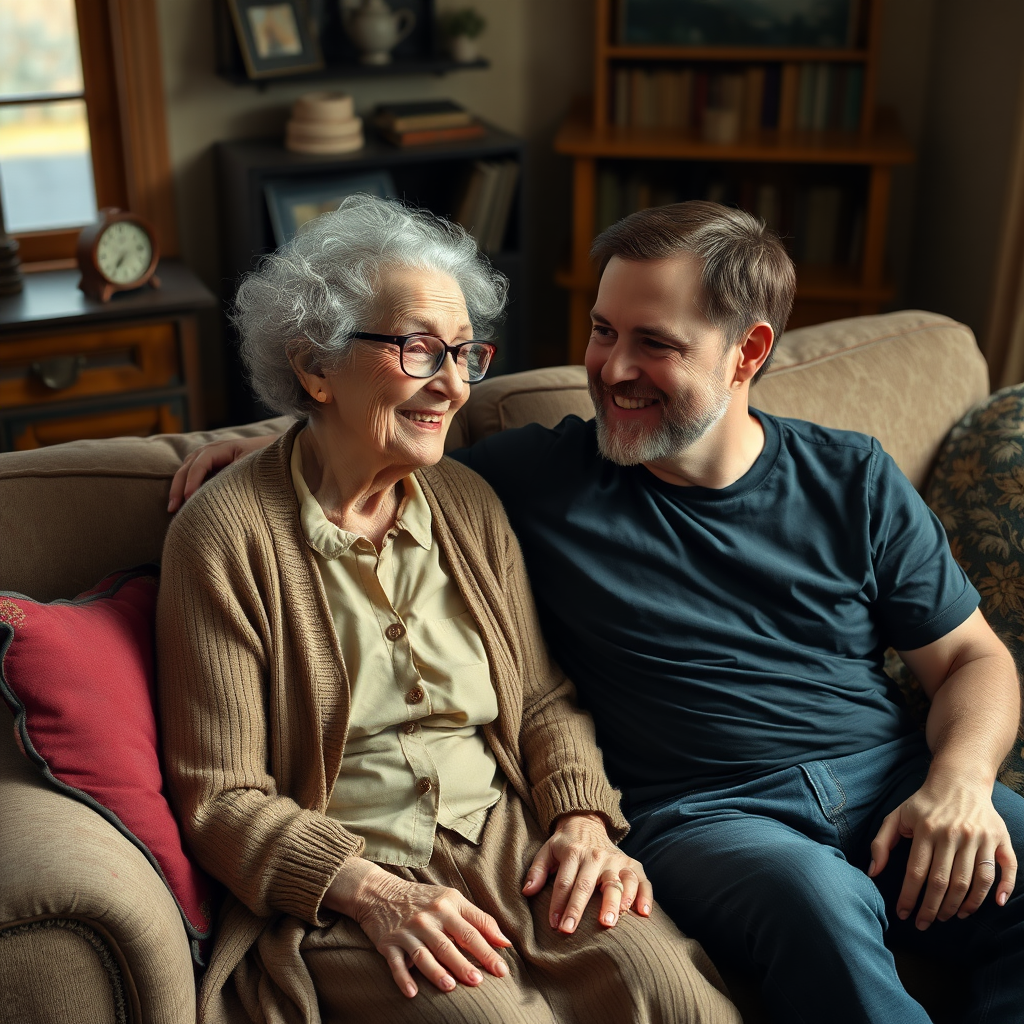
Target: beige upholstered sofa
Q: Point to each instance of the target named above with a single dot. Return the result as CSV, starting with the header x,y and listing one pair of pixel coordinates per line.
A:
x,y
88,933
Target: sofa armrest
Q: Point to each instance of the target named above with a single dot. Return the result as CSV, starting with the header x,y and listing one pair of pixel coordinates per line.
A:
x,y
61,860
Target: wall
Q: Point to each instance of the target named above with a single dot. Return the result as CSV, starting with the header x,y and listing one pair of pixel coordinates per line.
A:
x,y
540,52
972,118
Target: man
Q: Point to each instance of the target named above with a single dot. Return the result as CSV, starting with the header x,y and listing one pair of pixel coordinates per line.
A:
x,y
721,584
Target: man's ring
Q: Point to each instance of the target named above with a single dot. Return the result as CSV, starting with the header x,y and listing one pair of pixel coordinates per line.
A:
x,y
614,883
992,862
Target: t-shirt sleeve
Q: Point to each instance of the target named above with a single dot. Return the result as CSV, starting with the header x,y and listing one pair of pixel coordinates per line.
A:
x,y
921,592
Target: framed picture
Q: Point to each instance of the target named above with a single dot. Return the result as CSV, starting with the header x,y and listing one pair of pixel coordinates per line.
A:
x,y
803,23
275,37
293,203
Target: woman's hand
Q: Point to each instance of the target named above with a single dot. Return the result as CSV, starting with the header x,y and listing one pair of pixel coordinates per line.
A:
x,y
206,460
417,925
586,860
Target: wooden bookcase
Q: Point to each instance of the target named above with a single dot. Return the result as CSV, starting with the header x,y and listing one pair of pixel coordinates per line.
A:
x,y
850,167
430,176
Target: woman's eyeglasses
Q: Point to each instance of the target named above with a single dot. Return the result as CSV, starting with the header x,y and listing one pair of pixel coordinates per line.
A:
x,y
421,355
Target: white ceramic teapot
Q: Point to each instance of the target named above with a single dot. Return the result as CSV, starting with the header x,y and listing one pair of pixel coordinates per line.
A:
x,y
376,29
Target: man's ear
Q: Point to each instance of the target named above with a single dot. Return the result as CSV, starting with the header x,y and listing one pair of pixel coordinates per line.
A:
x,y
754,349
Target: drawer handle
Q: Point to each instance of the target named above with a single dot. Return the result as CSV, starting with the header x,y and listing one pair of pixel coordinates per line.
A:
x,y
60,373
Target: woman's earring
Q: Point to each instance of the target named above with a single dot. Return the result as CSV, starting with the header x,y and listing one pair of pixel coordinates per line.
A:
x,y
321,396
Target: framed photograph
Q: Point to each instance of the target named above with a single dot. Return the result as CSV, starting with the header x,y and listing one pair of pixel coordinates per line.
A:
x,y
293,203
275,37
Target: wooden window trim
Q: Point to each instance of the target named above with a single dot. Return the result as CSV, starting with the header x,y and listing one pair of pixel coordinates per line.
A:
x,y
124,95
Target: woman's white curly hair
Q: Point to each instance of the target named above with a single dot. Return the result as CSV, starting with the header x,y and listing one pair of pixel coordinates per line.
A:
x,y
308,298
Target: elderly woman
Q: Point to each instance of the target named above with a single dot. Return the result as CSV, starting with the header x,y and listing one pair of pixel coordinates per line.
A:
x,y
363,735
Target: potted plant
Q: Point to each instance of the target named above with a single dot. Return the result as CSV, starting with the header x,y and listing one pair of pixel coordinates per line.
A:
x,y
462,27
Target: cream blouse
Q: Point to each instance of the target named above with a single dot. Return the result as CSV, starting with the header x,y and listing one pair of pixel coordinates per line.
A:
x,y
415,756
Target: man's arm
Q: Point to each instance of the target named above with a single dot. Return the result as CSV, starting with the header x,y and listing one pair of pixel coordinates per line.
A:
x,y
958,837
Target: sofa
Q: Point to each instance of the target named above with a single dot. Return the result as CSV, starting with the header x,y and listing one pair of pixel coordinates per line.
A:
x,y
88,930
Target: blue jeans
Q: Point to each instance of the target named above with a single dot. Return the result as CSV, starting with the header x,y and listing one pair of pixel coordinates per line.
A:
x,y
770,876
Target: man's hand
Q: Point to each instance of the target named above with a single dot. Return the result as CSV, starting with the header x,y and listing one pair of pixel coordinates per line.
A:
x,y
957,838
586,860
206,460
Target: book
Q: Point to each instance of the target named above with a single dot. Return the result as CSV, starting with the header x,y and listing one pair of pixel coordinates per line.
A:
x,y
823,205
753,99
424,114
620,98
496,221
427,136
685,100
805,104
853,98
823,81
772,96
609,199
789,97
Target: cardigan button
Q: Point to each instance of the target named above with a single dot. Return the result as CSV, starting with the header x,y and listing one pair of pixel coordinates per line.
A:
x,y
423,787
409,728
415,695
395,631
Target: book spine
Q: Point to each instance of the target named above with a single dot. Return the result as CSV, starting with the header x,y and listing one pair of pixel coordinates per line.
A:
x,y
686,119
822,96
636,97
772,94
789,97
620,103
854,98
753,99
805,109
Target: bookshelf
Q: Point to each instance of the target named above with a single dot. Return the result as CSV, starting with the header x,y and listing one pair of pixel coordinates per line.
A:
x,y
791,133
436,177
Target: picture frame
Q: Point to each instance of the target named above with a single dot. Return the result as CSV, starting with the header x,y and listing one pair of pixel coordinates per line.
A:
x,y
276,37
293,203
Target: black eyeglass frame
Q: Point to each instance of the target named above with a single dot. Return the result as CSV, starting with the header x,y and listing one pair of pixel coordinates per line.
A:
x,y
401,339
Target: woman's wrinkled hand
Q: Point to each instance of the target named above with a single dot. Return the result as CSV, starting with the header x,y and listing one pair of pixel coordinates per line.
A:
x,y
417,925
585,860
206,460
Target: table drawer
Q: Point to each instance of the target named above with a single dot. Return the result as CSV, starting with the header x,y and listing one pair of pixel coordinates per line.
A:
x,y
39,428
84,364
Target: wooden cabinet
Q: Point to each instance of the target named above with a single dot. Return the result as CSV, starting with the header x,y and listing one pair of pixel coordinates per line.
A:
x,y
819,156
73,368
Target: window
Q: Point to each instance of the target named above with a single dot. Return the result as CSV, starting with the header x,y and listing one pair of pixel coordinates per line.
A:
x,y
46,175
82,122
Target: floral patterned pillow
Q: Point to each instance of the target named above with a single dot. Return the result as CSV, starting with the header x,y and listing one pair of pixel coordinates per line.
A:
x,y
977,491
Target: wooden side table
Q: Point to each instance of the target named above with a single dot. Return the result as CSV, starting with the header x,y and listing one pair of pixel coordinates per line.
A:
x,y
74,368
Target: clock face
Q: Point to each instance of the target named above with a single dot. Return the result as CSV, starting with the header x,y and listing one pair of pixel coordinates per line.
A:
x,y
123,252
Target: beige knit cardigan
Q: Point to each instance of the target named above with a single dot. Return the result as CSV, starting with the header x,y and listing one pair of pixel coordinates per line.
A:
x,y
254,696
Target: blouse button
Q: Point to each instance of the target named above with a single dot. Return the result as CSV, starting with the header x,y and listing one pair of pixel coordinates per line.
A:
x,y
395,631
409,728
423,787
415,695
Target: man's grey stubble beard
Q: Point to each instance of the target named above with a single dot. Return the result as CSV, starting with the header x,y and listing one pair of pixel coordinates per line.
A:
x,y
677,431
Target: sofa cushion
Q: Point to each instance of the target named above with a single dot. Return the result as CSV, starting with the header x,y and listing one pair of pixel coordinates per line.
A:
x,y
79,677
977,491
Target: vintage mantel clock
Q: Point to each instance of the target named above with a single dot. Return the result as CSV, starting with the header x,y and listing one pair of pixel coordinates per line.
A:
x,y
117,253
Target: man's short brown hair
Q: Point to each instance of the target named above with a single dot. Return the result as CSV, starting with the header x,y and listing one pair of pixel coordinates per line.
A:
x,y
746,273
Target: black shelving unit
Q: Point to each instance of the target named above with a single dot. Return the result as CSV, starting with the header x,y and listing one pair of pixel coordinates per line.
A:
x,y
421,53
433,177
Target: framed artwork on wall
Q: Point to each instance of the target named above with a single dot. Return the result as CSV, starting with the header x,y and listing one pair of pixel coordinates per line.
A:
x,y
276,37
292,203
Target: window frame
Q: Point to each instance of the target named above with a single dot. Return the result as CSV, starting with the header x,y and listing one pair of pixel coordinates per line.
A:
x,y
124,98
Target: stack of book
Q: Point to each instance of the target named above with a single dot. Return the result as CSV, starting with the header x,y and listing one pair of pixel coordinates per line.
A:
x,y
425,122
722,106
487,202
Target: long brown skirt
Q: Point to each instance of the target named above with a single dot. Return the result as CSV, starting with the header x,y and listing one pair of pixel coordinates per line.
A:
x,y
642,970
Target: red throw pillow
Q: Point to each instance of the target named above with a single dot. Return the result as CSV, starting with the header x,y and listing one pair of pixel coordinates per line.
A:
x,y
78,676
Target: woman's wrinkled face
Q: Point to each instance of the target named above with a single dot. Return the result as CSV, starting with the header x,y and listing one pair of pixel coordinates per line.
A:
x,y
373,402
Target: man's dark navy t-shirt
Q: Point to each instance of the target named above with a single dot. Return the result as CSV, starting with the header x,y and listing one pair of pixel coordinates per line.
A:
x,y
718,635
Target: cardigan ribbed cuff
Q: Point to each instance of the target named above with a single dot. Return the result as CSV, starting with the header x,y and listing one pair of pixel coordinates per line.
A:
x,y
576,792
